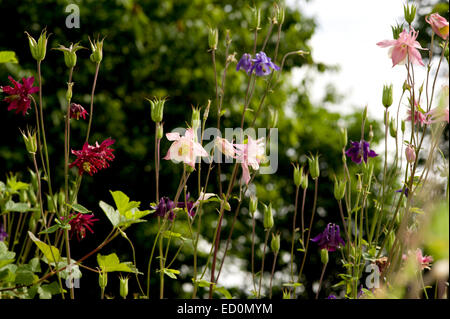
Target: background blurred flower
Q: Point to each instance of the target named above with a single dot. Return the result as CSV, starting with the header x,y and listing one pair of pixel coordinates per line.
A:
x,y
439,25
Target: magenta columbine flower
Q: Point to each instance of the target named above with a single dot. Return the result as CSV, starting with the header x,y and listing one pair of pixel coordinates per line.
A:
x,y
91,159
359,151
77,111
79,223
3,234
404,48
19,95
439,25
245,63
330,238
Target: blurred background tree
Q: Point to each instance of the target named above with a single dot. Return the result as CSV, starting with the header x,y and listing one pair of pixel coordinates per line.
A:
x,y
160,48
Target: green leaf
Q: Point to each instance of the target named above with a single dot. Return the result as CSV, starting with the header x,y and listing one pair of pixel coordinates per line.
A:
x,y
111,213
35,265
8,273
295,284
15,186
169,234
8,57
46,291
223,291
171,272
24,277
11,206
50,252
79,208
111,262
6,257
123,203
51,229
203,283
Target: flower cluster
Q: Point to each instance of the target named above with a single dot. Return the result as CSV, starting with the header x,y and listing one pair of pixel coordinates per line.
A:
x,y
261,64
19,94
91,159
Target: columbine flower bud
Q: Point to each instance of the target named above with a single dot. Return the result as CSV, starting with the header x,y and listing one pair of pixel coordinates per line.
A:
x,y
410,154
304,182
392,128
339,188
195,119
160,131
324,256
69,92
275,243
343,140
298,172
70,55
409,12
30,141
314,169
38,49
97,50
253,204
213,38
406,87
123,286
102,279
403,126
157,108
387,95
268,217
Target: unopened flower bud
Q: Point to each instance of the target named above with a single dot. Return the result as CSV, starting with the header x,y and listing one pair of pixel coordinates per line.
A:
x,y
364,115
273,117
213,38
409,12
387,95
195,119
339,188
392,128
314,169
123,287
343,140
38,48
97,50
403,126
206,112
410,154
102,279
256,18
370,133
275,243
160,131
324,256
268,217
253,204
157,109
406,87
69,92
30,141
298,172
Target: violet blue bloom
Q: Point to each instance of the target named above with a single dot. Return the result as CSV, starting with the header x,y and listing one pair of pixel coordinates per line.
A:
x,y
245,63
331,297
164,207
359,151
330,238
262,64
401,190
3,234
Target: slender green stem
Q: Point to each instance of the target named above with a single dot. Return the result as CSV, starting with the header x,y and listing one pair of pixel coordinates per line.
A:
x,y
321,279
261,273
91,110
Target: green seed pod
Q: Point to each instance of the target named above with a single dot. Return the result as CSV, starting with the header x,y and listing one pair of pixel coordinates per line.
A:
x,y
97,50
304,181
70,54
160,131
273,118
30,141
396,30
157,109
324,256
69,92
253,206
409,12
298,172
314,169
339,188
256,19
123,286
343,139
38,49
364,115
268,217
403,126
279,12
387,98
275,243
102,279
213,38
392,128
195,119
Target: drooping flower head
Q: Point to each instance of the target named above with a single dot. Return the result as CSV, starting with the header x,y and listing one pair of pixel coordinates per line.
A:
x,y
164,207
404,48
438,115
406,192
77,111
91,159
262,64
424,261
79,223
330,238
439,25
410,154
420,116
167,206
245,63
19,94
250,154
185,148
225,147
3,234
360,151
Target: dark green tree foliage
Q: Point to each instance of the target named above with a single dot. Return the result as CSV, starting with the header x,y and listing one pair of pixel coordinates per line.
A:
x,y
160,48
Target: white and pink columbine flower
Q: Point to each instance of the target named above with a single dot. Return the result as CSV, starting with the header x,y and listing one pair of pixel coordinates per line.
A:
x,y
404,48
439,25
250,154
185,148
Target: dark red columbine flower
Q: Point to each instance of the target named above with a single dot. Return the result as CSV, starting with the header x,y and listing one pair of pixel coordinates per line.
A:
x,y
79,223
330,238
91,159
19,95
77,111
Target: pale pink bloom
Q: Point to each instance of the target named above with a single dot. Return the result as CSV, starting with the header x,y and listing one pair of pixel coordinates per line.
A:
x,y
250,154
438,115
419,117
438,24
403,48
203,196
184,149
225,146
410,154
424,261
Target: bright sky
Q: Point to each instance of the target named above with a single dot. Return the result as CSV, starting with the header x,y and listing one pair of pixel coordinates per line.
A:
x,y
346,35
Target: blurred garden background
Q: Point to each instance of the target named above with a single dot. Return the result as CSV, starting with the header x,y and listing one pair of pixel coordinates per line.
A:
x,y
160,49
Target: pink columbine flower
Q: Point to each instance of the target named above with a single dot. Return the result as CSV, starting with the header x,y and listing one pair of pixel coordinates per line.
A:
x,y
419,116
438,24
185,148
424,261
403,48
410,154
250,154
79,223
225,147
19,95
438,115
77,111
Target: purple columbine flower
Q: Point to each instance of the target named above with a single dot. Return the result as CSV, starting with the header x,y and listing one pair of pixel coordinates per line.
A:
x,y
262,64
406,192
331,297
245,63
3,234
359,151
330,238
164,207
